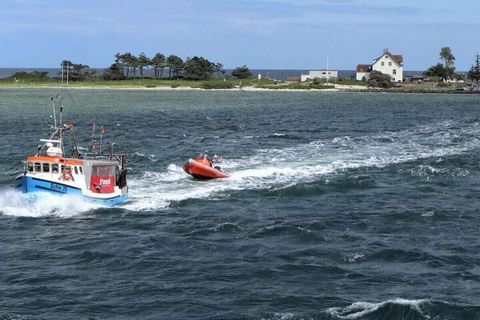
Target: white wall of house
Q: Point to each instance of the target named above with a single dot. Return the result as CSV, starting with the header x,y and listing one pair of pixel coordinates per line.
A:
x,y
387,65
319,74
361,75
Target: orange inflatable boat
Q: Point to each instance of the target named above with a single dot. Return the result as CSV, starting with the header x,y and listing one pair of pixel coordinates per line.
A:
x,y
201,168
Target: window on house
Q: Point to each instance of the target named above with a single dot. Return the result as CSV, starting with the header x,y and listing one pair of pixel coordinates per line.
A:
x,y
394,71
390,63
383,63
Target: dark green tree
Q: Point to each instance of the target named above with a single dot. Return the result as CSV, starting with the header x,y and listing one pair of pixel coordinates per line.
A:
x,y
474,72
175,65
198,68
115,72
379,80
77,71
242,72
133,63
158,63
448,60
437,71
125,60
120,62
217,68
143,61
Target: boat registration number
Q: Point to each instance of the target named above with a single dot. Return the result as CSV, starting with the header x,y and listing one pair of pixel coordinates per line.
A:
x,y
58,187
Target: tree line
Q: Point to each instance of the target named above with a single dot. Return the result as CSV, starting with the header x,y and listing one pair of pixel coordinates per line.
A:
x,y
128,66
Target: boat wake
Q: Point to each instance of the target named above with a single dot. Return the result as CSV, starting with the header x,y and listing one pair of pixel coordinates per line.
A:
x,y
282,168
40,204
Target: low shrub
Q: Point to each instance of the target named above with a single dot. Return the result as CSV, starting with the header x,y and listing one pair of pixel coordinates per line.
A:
x,y
217,85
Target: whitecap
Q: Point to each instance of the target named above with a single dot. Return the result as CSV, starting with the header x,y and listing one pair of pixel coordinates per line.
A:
x,y
360,309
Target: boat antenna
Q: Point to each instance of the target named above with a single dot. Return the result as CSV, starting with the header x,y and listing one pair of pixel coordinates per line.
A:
x,y
54,114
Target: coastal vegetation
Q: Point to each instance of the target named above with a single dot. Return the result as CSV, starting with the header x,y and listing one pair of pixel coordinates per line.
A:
x,y
242,73
33,76
446,70
77,71
162,71
379,80
196,68
474,72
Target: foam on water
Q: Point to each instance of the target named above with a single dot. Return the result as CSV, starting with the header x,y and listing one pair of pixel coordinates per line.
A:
x,y
41,204
360,309
280,168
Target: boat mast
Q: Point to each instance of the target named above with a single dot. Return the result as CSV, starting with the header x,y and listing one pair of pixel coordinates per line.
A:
x,y
328,73
60,126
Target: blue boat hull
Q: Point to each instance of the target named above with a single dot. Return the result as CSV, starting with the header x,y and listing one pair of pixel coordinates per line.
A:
x,y
28,184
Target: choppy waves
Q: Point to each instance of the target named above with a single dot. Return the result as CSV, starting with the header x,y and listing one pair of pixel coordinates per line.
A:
x,y
304,163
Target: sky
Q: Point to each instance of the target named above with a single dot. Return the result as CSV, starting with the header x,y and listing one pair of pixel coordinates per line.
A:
x,y
262,34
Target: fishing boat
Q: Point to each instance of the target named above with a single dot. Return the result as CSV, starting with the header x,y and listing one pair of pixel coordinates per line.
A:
x,y
204,169
94,175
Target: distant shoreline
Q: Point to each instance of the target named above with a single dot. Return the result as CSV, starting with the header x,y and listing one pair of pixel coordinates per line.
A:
x,y
336,88
232,84
166,88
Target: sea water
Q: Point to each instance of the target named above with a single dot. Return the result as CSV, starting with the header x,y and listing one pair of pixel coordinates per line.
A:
x,y
339,206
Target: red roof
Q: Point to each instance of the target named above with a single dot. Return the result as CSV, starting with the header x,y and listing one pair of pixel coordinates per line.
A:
x,y
398,57
364,68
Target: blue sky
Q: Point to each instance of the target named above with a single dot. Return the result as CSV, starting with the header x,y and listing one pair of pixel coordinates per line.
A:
x,y
271,34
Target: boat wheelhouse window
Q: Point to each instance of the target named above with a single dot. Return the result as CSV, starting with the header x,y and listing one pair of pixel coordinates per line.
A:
x,y
38,167
81,170
46,167
111,171
30,166
103,171
75,168
54,168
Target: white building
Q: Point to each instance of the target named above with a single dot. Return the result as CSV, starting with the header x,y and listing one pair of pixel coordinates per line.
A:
x,y
319,74
387,63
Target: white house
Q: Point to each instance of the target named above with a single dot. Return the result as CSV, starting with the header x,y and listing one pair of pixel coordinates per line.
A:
x,y
387,63
319,74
